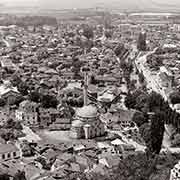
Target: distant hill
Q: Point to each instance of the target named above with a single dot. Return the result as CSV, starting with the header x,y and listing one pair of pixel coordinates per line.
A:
x,y
120,5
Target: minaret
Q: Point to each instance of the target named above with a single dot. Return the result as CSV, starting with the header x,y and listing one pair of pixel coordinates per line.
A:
x,y
85,90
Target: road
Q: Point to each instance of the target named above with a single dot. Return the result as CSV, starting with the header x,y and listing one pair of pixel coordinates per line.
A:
x,y
154,84
151,79
30,135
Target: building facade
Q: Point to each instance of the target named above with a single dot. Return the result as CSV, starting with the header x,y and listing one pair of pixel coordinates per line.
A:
x,y
8,152
27,113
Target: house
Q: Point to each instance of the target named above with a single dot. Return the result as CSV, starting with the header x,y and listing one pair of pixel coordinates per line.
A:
x,y
53,118
27,112
122,148
60,174
78,148
8,93
108,80
7,63
121,116
5,114
9,151
60,124
110,161
109,95
45,117
62,120
165,77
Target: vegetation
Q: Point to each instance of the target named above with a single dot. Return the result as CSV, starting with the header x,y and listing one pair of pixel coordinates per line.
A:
x,y
11,130
141,44
140,118
119,49
87,31
157,132
176,140
154,61
48,101
174,97
27,150
141,77
20,175
136,167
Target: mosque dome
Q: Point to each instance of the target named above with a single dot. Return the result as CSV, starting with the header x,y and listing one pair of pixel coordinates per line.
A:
x,y
87,112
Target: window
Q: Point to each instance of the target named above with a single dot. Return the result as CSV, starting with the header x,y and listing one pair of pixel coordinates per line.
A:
x,y
9,155
14,154
3,156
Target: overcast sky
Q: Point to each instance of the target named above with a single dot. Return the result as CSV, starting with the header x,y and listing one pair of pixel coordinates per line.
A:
x,y
84,3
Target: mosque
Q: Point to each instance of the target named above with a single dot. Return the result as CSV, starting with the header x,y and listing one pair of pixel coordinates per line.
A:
x,y
87,123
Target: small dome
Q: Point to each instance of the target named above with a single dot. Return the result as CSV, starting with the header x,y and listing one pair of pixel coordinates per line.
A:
x,y
77,123
87,112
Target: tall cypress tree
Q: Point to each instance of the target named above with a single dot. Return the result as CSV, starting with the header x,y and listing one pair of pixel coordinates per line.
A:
x,y
157,132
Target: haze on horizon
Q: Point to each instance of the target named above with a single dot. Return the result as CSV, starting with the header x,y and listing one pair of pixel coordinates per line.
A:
x,y
63,4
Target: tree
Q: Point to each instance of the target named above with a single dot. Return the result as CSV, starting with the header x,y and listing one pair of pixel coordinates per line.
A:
x,y
141,103
119,49
23,88
137,100
46,164
141,43
140,118
155,102
157,131
88,31
2,102
15,80
20,175
18,126
10,123
48,101
174,97
34,96
141,78
130,101
42,54
26,149
108,34
7,135
176,141
145,133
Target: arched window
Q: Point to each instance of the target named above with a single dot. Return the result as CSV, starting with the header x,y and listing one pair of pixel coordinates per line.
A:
x,y
9,155
3,156
14,154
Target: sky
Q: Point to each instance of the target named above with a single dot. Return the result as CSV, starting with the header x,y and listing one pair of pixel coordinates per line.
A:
x,y
59,4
